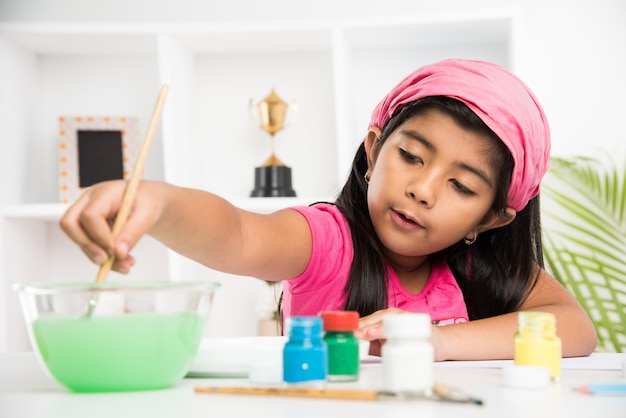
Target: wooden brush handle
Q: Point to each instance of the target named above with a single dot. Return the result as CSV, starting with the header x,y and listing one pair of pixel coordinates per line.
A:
x,y
296,392
133,182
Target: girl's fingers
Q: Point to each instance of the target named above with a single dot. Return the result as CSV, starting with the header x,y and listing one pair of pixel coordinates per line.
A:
x,y
370,333
371,326
377,317
87,221
124,266
371,329
96,254
73,225
141,219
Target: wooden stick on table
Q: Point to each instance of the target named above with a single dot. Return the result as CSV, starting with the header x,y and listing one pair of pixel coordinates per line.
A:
x,y
293,391
440,392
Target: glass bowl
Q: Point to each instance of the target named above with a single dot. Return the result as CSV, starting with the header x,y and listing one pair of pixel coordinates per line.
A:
x,y
103,337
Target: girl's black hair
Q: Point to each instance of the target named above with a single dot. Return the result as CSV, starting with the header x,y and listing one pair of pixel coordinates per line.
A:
x,y
495,274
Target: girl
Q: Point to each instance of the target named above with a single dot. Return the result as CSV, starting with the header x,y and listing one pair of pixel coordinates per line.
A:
x,y
440,214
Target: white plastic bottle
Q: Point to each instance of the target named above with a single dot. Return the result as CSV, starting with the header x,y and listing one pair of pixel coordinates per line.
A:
x,y
408,357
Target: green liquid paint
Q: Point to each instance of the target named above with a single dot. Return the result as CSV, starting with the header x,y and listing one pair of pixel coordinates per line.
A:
x,y
343,356
123,353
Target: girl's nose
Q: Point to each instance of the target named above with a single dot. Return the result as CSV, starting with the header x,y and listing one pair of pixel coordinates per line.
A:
x,y
423,189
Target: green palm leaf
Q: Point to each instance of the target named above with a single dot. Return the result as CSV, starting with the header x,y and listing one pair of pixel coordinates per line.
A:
x,y
584,232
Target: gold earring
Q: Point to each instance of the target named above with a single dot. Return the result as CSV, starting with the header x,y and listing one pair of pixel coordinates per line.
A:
x,y
471,241
367,176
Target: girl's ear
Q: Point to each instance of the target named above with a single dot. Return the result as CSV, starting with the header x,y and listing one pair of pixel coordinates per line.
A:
x,y
371,145
496,220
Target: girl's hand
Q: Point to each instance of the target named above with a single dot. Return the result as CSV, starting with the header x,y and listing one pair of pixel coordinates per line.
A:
x,y
89,220
371,329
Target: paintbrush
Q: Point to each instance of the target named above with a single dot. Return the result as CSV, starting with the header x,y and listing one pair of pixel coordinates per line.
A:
x,y
440,392
130,192
132,185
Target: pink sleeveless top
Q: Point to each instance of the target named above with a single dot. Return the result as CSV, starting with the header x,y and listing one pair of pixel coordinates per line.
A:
x,y
321,286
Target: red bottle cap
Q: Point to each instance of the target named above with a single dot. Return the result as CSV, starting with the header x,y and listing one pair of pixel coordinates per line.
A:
x,y
340,320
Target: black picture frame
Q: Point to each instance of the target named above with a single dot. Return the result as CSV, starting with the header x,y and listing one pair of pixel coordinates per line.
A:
x,y
94,149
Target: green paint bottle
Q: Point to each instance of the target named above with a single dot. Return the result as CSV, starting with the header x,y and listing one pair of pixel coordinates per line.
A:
x,y
343,346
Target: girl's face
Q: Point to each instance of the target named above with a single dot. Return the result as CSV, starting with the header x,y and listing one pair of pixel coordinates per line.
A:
x,y
431,185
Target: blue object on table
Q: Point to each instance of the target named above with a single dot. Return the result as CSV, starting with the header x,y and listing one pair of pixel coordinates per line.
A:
x,y
305,355
604,389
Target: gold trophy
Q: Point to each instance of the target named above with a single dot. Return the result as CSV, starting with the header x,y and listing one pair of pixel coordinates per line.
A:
x,y
273,177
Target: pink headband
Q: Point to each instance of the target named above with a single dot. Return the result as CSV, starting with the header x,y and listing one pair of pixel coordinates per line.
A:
x,y
500,99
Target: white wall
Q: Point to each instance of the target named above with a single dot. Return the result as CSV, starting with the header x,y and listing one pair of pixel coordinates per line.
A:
x,y
571,52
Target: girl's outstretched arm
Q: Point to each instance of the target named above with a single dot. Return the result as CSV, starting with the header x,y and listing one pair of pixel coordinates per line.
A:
x,y
197,224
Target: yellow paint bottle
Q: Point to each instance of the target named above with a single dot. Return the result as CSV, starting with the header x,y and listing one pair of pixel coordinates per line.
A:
x,y
536,343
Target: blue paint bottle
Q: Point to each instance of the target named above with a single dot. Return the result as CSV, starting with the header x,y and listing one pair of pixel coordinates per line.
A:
x,y
305,356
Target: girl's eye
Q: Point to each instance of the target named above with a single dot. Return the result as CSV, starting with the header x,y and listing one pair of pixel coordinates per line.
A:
x,y
414,159
462,189
407,156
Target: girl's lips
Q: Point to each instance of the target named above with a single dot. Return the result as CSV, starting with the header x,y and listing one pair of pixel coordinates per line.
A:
x,y
405,221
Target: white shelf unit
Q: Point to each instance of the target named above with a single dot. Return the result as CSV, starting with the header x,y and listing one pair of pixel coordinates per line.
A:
x,y
336,71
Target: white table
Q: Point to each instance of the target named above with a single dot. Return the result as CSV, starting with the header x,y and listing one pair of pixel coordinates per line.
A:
x,y
26,391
